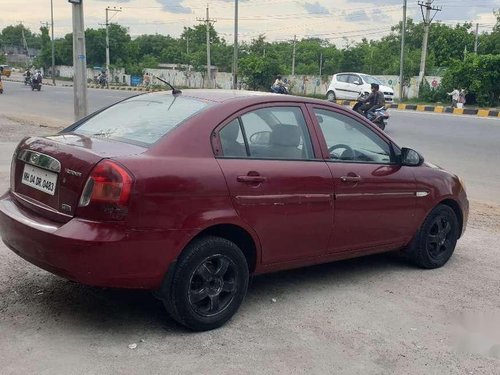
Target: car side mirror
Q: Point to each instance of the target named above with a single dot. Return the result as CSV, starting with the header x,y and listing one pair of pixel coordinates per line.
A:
x,y
411,158
357,82
261,138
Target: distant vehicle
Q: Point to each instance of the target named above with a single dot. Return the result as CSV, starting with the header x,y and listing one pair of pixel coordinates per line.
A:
x,y
348,86
379,117
189,193
5,70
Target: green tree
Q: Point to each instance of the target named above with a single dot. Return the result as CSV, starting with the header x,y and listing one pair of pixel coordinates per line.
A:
x,y
259,72
479,75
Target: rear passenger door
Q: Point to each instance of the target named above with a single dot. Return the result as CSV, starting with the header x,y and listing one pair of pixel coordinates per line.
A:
x,y
342,86
277,180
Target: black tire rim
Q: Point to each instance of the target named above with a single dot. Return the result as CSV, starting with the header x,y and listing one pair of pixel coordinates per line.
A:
x,y
213,285
440,237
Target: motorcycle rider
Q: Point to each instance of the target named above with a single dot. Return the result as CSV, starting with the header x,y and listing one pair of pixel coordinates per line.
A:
x,y
375,100
279,86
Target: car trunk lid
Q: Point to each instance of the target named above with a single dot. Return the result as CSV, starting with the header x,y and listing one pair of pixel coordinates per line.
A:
x,y
50,172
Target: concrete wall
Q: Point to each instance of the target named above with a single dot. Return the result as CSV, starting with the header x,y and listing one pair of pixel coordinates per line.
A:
x,y
302,85
314,85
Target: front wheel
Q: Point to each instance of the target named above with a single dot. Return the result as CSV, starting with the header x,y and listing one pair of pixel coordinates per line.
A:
x,y
209,284
435,242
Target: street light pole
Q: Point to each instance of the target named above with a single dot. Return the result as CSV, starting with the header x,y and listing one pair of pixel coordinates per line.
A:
x,y
79,61
402,61
53,47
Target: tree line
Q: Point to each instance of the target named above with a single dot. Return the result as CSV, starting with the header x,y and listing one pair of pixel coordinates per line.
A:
x,y
450,50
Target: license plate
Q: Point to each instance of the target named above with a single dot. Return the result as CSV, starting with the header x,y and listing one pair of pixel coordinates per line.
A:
x,y
40,179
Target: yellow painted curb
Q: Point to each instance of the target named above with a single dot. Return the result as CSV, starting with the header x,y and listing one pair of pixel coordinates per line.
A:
x,y
458,111
421,108
483,113
401,106
439,109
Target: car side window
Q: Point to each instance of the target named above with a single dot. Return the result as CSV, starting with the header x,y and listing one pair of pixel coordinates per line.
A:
x,y
231,138
342,78
268,133
350,141
354,79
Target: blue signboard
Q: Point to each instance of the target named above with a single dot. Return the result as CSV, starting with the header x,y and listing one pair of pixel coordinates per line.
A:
x,y
135,80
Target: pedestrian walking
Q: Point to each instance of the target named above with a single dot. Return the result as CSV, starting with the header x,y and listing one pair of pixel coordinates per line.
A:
x,y
146,80
455,97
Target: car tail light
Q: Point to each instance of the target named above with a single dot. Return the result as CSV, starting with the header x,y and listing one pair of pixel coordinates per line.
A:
x,y
106,193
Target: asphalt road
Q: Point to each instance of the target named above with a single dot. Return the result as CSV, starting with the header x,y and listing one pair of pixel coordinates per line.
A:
x,y
374,315
467,146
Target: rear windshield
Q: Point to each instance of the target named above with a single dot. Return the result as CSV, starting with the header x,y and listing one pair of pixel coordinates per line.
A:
x,y
142,119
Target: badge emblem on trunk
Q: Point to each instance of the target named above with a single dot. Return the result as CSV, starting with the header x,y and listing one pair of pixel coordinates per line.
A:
x,y
73,173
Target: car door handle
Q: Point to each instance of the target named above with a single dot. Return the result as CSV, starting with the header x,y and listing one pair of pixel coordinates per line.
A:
x,y
251,179
350,178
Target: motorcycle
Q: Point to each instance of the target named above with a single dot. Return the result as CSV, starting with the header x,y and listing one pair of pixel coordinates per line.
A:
x,y
280,89
379,116
27,80
103,81
36,83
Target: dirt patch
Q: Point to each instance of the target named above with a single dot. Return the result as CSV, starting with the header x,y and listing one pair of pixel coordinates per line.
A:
x,y
484,216
14,129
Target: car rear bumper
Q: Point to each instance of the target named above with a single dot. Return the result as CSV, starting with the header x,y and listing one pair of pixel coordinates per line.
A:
x,y
92,253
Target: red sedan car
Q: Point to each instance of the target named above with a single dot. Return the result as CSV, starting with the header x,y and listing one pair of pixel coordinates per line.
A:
x,y
188,194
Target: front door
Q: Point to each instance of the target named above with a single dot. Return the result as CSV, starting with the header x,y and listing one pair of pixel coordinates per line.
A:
x,y
374,195
277,184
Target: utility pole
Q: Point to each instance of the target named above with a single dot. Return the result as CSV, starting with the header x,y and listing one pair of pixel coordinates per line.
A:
x,y
320,64
25,43
235,53
116,10
402,60
79,61
427,23
208,22
293,54
187,45
52,42
476,41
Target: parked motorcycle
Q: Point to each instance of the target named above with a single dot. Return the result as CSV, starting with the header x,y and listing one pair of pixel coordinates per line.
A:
x,y
379,116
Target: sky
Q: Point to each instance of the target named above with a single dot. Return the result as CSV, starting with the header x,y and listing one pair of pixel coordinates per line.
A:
x,y
340,21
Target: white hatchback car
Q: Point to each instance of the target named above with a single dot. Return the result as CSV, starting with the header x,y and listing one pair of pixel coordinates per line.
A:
x,y
350,85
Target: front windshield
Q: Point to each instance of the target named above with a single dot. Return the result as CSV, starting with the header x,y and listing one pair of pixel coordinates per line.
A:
x,y
370,79
143,119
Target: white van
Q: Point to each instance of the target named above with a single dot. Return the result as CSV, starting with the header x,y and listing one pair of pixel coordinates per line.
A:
x,y
348,86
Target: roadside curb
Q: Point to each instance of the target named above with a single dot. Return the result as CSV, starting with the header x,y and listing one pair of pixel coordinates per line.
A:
x,y
436,109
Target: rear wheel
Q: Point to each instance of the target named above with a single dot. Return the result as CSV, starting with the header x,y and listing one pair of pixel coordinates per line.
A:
x,y
435,242
330,96
209,284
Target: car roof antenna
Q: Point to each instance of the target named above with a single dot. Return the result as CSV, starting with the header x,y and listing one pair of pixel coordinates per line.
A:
x,y
174,90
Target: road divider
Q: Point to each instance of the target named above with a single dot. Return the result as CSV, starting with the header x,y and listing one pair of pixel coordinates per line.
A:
x,y
435,109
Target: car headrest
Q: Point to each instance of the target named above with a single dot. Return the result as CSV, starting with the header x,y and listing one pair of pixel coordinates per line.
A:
x,y
285,135
230,132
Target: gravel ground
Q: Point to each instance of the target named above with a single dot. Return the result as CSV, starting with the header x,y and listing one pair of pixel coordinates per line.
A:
x,y
374,315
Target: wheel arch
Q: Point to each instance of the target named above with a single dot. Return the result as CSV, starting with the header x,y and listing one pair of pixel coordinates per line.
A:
x,y
453,204
239,236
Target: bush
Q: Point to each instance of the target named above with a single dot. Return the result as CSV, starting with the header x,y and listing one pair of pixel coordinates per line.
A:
x,y
430,94
478,75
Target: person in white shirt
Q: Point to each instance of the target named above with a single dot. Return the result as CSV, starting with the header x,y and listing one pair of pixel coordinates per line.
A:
x,y
455,96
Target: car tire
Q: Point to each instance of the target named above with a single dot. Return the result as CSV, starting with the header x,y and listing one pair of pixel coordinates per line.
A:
x,y
435,242
330,96
209,284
